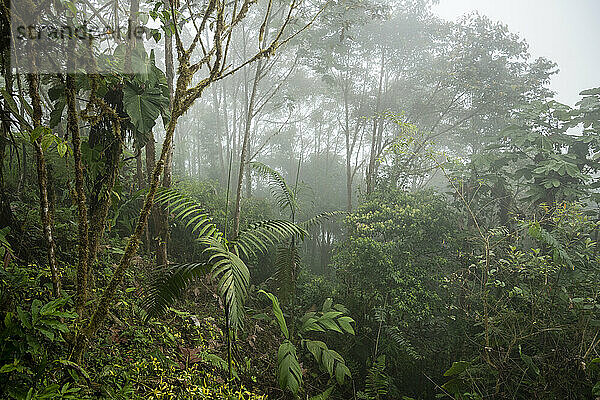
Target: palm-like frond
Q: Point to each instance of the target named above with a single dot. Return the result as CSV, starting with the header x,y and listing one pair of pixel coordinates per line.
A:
x,y
187,210
232,276
289,372
287,262
168,284
320,218
258,236
281,191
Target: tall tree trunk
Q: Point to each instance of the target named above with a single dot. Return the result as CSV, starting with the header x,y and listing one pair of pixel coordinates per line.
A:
x,y
217,108
139,170
348,151
73,129
245,145
248,182
372,169
163,217
132,245
45,215
99,208
24,165
6,215
150,163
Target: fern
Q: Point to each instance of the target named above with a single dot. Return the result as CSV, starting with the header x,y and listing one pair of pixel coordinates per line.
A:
x,y
324,395
224,263
559,253
168,285
217,362
258,236
224,259
287,256
377,382
394,340
399,342
287,262
184,208
284,195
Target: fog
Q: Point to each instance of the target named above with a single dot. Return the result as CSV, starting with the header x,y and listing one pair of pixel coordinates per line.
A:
x,y
300,199
565,31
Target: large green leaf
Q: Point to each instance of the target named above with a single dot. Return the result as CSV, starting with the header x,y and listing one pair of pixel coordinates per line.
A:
x,y
143,105
278,313
232,276
289,373
330,319
330,360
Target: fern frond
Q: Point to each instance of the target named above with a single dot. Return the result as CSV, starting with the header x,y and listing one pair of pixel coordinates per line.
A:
x,y
377,381
232,276
217,362
287,261
189,211
324,395
320,218
283,194
400,343
168,284
123,208
258,236
559,254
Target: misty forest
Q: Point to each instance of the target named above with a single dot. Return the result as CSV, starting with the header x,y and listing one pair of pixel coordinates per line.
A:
x,y
299,199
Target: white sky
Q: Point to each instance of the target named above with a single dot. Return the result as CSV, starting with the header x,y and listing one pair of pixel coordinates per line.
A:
x,y
564,31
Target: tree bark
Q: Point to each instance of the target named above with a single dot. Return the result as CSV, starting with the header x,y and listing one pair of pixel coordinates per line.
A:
x,y
6,215
372,169
245,145
45,216
150,163
132,245
348,152
139,170
73,129
99,208
163,216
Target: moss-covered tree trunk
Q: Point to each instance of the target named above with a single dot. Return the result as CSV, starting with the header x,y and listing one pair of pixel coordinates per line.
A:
x,y
163,216
73,129
132,245
45,214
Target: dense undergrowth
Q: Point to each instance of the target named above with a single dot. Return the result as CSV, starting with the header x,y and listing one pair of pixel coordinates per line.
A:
x,y
315,200
414,300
